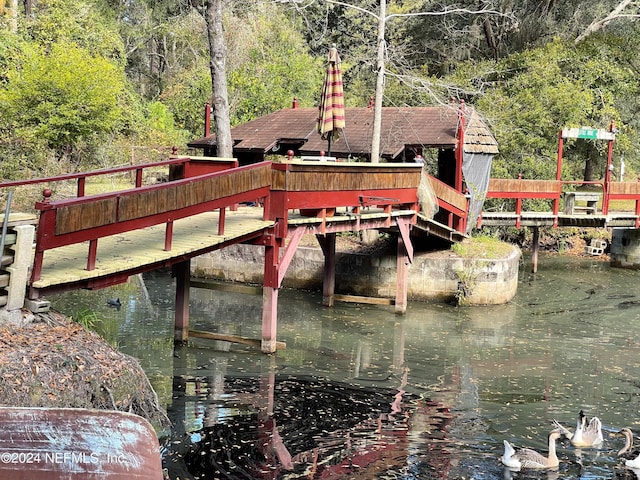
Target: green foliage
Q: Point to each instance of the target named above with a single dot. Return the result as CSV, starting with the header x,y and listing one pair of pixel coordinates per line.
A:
x,y
482,246
75,22
86,318
277,69
534,94
187,96
63,96
270,66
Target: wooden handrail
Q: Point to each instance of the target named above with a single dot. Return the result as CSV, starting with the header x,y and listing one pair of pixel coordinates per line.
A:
x,y
76,220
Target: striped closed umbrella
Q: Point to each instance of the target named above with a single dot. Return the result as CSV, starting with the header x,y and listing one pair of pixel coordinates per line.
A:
x,y
330,121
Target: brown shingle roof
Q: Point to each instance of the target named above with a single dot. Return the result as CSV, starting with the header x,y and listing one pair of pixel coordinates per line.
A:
x,y
428,127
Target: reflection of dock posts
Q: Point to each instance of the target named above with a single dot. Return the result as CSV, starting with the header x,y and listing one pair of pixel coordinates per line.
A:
x,y
269,440
536,242
398,345
328,244
182,273
270,299
179,388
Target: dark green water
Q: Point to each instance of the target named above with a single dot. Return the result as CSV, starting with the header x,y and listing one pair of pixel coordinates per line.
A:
x,y
360,392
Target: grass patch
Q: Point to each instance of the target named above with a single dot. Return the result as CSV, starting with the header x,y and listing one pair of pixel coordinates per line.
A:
x,y
482,247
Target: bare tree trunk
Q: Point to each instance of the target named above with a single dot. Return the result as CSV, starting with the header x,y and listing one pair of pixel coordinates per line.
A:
x,y
490,37
588,170
13,14
377,107
218,65
596,25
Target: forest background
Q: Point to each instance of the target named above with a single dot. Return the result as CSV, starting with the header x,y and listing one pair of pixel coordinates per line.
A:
x,y
94,83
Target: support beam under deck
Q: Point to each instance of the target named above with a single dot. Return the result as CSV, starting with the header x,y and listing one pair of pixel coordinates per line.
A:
x,y
328,245
182,272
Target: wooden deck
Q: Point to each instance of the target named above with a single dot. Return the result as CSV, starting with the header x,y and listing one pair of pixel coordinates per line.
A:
x,y
542,219
142,250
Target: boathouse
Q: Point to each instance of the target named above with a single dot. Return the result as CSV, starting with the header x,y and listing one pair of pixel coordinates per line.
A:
x,y
437,133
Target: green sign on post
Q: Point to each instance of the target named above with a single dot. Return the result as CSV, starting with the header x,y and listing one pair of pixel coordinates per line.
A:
x,y
589,133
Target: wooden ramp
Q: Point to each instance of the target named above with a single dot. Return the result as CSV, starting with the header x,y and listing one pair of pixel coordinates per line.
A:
x,y
120,256
428,226
74,443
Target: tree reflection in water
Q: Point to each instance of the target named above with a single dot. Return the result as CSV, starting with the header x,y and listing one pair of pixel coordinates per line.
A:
x,y
307,427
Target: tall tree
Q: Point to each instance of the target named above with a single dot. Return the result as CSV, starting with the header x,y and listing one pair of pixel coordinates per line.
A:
x,y
214,10
381,45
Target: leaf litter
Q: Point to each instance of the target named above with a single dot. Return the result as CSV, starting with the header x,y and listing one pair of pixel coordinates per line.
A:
x,y
49,361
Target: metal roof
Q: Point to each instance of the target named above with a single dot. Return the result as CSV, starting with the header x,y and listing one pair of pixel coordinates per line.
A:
x,y
426,127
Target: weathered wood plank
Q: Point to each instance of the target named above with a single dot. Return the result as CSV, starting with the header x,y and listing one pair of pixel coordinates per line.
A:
x,y
448,194
360,299
126,251
82,216
625,188
515,185
232,338
339,177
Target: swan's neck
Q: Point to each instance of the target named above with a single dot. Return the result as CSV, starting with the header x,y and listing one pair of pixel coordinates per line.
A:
x,y
553,458
628,443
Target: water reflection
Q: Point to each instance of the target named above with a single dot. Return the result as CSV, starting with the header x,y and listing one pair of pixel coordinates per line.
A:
x,y
360,392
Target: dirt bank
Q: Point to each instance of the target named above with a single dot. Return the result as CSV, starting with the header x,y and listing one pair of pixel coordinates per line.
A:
x,y
49,361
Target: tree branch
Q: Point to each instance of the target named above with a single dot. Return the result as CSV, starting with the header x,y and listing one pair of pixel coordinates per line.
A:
x,y
615,14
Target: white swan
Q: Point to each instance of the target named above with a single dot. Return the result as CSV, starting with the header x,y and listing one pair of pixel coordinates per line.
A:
x,y
632,457
586,435
528,458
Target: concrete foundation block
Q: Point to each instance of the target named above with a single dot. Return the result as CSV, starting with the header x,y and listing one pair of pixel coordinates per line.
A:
x,y
38,306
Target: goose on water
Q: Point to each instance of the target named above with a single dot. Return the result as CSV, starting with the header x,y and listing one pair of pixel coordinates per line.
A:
x,y
586,435
632,457
530,459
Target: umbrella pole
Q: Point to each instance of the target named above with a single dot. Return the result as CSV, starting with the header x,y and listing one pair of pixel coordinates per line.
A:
x,y
329,146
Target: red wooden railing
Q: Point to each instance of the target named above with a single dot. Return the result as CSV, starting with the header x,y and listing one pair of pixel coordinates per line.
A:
x,y
198,184
88,218
520,189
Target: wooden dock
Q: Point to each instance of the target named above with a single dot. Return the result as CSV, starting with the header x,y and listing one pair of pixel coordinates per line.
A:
x,y
143,250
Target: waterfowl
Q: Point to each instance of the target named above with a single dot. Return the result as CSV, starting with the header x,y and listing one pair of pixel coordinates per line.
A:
x,y
114,302
529,458
586,435
632,457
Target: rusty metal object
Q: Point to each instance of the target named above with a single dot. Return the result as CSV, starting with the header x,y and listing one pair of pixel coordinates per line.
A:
x,y
70,443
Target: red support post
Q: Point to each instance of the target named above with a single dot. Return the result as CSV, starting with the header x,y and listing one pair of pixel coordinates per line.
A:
x,y
81,185
168,236
402,276
270,299
328,245
91,257
138,177
207,119
559,164
182,273
221,218
459,153
607,175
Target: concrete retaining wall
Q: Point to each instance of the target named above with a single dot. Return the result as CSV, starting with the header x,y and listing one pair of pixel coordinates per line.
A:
x,y
625,248
433,276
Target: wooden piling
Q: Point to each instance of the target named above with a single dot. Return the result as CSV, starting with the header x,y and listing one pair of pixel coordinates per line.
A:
x,y
182,273
402,277
536,242
328,244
